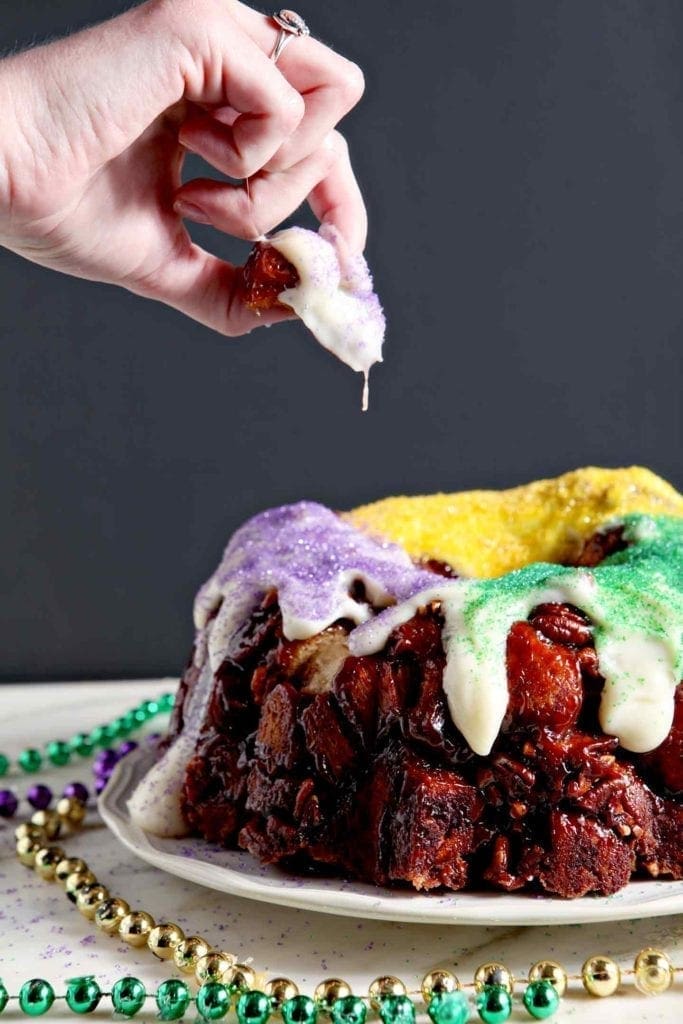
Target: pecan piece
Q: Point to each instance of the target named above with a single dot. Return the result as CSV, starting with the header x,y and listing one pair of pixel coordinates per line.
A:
x,y
562,624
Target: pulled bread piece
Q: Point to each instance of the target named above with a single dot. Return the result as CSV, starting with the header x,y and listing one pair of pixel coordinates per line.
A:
x,y
314,275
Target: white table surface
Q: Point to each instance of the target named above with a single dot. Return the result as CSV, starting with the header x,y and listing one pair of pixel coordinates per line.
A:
x,y
43,935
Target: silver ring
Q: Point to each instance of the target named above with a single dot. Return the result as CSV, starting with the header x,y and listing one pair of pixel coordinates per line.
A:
x,y
290,24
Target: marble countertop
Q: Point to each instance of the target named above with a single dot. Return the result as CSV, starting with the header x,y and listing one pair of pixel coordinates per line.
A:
x,y
43,935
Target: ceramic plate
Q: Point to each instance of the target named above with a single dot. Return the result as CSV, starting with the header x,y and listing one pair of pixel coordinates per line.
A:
x,y
238,873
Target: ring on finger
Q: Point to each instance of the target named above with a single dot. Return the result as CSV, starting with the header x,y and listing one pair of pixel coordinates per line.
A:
x,y
291,25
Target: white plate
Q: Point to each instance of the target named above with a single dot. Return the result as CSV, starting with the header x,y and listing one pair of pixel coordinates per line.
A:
x,y
238,873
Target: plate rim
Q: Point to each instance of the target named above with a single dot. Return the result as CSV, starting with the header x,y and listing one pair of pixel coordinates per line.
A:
x,y
459,909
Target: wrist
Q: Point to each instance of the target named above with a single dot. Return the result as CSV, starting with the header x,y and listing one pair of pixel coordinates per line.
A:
x,y
14,140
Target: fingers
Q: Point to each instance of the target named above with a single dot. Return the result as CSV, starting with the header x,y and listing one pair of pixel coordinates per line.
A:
x,y
337,200
251,213
305,61
248,135
267,108
325,178
325,106
328,84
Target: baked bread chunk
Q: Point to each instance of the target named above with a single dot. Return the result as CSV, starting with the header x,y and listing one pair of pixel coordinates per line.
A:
x,y
353,709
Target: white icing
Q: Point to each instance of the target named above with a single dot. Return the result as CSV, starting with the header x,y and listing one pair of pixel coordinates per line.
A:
x,y
155,804
638,698
637,702
313,559
334,298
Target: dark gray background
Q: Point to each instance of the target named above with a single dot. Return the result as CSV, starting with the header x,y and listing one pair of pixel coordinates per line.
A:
x,y
523,165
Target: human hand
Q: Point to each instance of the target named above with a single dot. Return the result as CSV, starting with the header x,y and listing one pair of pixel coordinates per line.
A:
x,y
96,126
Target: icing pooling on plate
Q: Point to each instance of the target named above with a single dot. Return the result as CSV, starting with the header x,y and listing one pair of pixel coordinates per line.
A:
x,y
334,297
156,803
312,558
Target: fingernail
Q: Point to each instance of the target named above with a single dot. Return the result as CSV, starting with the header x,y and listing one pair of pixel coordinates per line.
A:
x,y
186,144
191,212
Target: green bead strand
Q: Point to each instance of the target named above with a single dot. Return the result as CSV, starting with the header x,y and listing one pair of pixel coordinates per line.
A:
x,y
4,996
541,999
123,727
58,753
150,708
173,998
127,722
494,1004
30,760
36,997
83,994
108,732
449,1008
128,996
103,735
213,1000
349,1010
81,744
299,1010
397,1010
253,1008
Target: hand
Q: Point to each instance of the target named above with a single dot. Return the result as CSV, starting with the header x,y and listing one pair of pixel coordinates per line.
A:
x,y
95,128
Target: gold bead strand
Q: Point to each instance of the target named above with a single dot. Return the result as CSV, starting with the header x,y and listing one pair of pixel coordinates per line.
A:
x,y
550,970
135,928
46,861
213,966
438,982
110,913
189,952
240,978
89,899
163,940
492,974
601,976
653,972
327,992
279,990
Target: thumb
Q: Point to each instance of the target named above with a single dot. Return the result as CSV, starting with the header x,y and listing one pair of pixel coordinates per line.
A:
x,y
210,291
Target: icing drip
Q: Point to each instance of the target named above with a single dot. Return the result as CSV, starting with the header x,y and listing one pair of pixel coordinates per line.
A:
x,y
334,297
156,802
634,599
313,559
